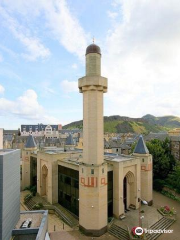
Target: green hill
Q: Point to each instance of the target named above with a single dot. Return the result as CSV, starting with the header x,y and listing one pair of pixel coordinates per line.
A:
x,y
122,124
166,121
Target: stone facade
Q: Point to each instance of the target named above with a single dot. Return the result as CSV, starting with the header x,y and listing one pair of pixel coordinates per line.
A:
x,y
175,147
174,132
97,184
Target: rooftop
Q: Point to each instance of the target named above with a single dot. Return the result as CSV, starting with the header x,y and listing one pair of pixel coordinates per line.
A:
x,y
6,151
61,150
36,219
141,146
30,142
118,158
37,229
93,48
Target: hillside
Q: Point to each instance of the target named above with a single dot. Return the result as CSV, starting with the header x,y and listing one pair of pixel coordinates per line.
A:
x,y
146,124
165,121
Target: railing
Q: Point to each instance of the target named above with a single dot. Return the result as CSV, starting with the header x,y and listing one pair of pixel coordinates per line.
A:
x,y
110,223
60,214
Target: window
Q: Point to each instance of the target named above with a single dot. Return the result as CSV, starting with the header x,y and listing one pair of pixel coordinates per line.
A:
x,y
68,180
82,170
92,171
102,170
143,160
61,177
68,198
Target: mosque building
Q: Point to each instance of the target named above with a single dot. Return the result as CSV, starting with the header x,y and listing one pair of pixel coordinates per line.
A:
x,y
90,183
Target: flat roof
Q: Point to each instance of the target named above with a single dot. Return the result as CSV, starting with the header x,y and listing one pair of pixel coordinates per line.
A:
x,y
37,227
119,158
107,157
36,219
57,151
6,151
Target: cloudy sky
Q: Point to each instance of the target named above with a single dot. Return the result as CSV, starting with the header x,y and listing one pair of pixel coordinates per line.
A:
x,y
42,53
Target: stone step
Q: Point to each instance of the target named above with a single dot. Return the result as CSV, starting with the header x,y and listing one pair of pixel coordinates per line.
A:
x,y
40,200
118,232
159,224
66,215
30,204
62,213
163,223
118,229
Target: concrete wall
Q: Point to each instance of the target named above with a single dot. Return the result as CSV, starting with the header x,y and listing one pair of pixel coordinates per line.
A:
x,y
43,227
10,192
1,138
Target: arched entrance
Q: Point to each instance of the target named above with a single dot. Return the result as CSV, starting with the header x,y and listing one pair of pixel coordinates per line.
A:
x,y
44,190
125,192
128,190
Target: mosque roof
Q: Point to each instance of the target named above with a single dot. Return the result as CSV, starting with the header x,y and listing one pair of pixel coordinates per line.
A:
x,y
93,48
141,146
30,142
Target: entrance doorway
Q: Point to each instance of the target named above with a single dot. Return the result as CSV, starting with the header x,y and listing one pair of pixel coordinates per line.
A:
x,y
44,190
33,171
110,194
125,192
129,190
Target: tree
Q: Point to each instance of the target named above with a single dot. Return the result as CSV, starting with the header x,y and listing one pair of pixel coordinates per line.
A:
x,y
163,161
173,179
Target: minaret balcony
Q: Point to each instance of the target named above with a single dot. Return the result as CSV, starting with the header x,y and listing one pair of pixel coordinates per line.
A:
x,y
90,83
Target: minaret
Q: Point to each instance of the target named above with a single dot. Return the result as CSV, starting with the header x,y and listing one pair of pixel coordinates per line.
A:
x,y
26,161
93,170
142,152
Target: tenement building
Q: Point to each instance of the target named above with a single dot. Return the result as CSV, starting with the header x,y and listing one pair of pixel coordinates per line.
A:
x,y
39,130
90,183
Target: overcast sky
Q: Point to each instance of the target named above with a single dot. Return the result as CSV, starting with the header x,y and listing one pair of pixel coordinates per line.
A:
x,y
42,55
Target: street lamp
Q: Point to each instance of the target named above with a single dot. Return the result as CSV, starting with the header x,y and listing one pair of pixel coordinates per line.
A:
x,y
140,218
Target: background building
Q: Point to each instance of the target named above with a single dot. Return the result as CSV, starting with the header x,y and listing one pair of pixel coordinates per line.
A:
x,y
10,191
38,228
48,131
1,138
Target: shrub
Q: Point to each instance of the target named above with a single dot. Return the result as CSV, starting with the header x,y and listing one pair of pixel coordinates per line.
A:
x,y
158,184
38,206
170,195
27,188
27,197
33,189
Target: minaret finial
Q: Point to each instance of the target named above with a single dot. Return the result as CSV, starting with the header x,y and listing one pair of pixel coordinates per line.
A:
x,y
93,40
